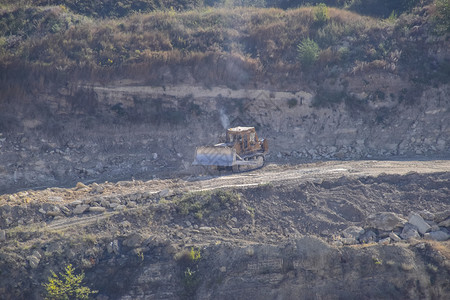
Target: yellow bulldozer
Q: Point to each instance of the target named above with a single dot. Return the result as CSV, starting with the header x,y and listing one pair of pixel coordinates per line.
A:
x,y
241,151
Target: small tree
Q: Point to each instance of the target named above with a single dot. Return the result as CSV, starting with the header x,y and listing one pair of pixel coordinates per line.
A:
x,y
308,52
68,287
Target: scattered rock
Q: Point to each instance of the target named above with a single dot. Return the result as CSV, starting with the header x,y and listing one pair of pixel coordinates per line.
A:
x,y
419,222
114,200
134,240
188,224
42,211
120,207
105,203
205,228
80,186
349,241
409,231
445,223
55,211
394,237
368,237
441,216
113,247
164,193
437,235
80,209
234,230
385,221
353,232
98,209
96,189
434,227
385,241
34,259
223,269
65,210
55,199
426,215
76,202
131,204
234,219
337,243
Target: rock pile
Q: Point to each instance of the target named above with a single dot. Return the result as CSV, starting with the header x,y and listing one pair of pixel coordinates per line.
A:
x,y
56,207
389,227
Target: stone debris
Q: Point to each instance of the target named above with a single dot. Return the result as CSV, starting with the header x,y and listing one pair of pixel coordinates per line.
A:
x,y
34,259
385,241
388,227
234,230
419,223
368,237
445,223
409,231
394,237
353,232
134,240
164,193
437,235
79,209
80,186
55,211
386,221
98,209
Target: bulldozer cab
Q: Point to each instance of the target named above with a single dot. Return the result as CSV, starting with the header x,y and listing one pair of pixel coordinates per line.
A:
x,y
244,138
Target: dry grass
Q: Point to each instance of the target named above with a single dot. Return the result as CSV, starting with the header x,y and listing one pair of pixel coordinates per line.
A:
x,y
442,247
255,42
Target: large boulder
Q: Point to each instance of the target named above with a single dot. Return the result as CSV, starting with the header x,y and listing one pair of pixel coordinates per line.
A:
x,y
437,235
419,222
353,232
385,221
409,232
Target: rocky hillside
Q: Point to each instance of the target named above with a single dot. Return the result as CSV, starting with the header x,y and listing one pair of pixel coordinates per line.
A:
x,y
85,99
102,104
329,230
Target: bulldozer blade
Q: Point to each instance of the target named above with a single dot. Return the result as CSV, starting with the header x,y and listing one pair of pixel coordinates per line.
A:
x,y
215,156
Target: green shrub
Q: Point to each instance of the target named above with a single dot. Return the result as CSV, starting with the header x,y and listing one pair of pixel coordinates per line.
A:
x,y
202,204
67,287
321,13
308,52
443,16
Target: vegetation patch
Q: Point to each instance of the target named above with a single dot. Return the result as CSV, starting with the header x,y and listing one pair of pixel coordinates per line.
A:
x,y
67,286
207,205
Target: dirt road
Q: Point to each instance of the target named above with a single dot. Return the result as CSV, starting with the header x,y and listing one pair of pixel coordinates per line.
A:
x,y
207,180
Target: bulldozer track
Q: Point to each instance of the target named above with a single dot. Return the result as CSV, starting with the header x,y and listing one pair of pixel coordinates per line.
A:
x,y
63,224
